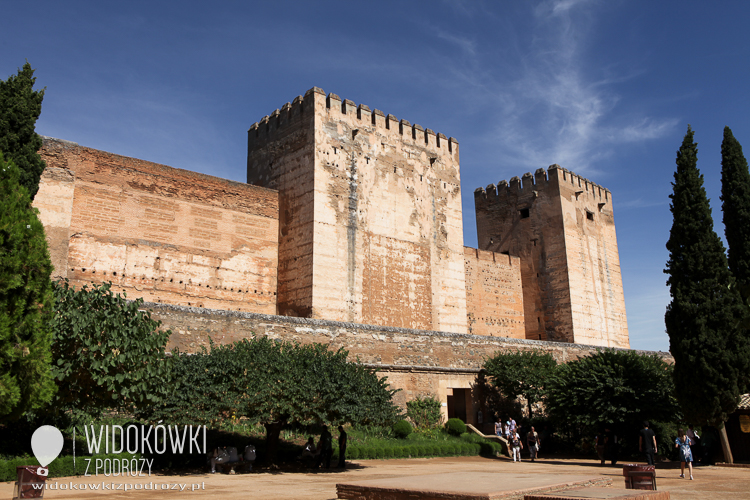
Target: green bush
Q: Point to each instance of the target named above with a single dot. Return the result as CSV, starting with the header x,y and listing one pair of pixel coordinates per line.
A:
x,y
424,412
455,426
402,429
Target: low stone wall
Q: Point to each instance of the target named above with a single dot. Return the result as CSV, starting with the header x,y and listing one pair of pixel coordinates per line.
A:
x,y
418,362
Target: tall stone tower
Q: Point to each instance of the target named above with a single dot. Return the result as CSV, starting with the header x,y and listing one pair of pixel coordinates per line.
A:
x,y
562,228
370,214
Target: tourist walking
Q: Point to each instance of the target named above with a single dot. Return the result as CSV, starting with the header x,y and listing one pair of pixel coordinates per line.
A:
x,y
647,443
515,441
499,428
532,440
686,456
342,447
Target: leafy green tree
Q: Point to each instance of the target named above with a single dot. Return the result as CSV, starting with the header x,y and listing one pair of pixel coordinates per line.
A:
x,y
277,384
702,320
425,412
615,388
522,373
735,195
26,302
20,106
108,354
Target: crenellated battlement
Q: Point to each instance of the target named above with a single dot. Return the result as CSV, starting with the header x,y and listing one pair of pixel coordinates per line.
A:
x,y
538,181
386,124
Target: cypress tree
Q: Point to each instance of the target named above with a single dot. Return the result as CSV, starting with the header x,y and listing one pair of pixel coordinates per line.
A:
x,y
702,319
735,195
26,301
20,106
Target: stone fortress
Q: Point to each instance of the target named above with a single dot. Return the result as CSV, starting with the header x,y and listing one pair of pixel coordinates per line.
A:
x,y
349,231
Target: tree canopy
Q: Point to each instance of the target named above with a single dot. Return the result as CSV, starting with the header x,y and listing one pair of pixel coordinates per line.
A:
x,y
703,317
277,384
20,106
108,354
26,302
615,388
522,373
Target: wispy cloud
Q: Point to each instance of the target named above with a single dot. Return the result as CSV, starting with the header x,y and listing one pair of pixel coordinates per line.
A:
x,y
552,105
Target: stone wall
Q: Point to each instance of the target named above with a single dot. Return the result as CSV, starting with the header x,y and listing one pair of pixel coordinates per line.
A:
x,y
562,228
494,295
156,232
418,362
382,208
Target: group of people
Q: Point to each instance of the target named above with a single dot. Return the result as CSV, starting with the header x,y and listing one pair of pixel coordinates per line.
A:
x,y
512,434
323,452
607,445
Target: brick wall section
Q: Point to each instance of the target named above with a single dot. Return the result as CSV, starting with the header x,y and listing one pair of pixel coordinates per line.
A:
x,y
417,361
157,232
384,198
494,295
526,220
562,228
280,156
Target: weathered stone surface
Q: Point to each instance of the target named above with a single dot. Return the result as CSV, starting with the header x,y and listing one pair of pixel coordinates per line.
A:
x,y
562,228
494,295
156,232
371,225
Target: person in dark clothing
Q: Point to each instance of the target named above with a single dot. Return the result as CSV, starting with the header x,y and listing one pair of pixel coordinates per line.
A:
x,y
647,443
342,448
610,446
326,448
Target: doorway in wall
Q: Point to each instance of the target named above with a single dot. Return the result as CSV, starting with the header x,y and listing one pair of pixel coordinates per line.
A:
x,y
457,404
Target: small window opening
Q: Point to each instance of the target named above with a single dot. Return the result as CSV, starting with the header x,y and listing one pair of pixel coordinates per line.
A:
x,y
589,215
524,213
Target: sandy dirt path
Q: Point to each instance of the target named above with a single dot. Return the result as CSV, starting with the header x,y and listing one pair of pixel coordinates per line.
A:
x,y
710,482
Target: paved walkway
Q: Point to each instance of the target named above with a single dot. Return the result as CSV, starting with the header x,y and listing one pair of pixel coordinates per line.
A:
x,y
710,482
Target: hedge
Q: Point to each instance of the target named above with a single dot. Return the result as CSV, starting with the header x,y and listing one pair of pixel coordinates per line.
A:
x,y
60,467
444,449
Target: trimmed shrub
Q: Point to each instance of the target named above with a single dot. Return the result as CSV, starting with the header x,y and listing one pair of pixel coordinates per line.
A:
x,y
455,426
352,452
402,429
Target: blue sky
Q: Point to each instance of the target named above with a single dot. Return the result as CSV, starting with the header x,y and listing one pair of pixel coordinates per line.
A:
x,y
603,88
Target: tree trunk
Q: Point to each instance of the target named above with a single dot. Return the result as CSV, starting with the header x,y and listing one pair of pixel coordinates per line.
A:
x,y
273,430
725,445
528,403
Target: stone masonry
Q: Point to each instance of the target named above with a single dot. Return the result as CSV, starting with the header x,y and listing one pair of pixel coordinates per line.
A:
x,y
156,232
370,214
562,228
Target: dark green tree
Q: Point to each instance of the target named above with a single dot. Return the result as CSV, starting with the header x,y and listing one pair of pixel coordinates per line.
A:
x,y
522,373
26,302
703,316
277,384
20,106
108,354
735,195
615,388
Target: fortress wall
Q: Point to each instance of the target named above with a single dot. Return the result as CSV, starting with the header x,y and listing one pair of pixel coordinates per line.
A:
x,y
389,236
494,295
418,362
593,262
156,232
280,156
524,218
